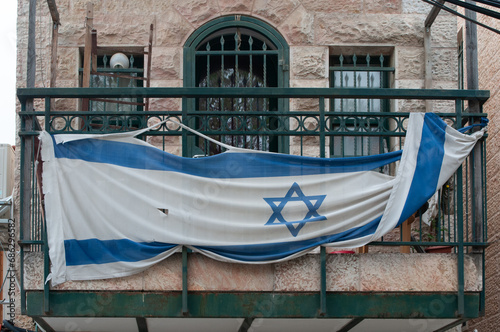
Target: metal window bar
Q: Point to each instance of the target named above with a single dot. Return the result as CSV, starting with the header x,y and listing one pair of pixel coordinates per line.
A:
x,y
362,74
237,69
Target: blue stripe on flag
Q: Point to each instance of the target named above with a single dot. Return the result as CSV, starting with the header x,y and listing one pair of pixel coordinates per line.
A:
x,y
94,251
275,251
225,165
429,161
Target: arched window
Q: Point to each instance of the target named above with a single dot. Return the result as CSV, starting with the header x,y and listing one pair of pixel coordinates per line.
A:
x,y
235,52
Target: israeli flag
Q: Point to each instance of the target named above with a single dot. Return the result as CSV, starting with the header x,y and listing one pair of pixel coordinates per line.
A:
x,y
116,205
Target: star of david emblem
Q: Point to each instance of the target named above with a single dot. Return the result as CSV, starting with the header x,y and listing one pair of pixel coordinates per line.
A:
x,y
295,194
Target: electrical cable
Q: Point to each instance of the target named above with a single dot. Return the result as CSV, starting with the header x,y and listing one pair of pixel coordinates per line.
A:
x,y
437,4
475,8
493,3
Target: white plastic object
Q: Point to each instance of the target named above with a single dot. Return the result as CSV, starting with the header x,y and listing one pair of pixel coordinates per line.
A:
x,y
119,60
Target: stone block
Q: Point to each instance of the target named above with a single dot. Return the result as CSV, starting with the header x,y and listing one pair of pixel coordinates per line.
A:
x,y
415,272
326,6
206,274
409,105
111,30
73,35
309,83
298,275
235,6
78,8
407,30
298,28
415,7
197,11
304,104
444,64
171,30
275,11
33,271
164,276
124,7
410,63
444,32
167,64
67,63
382,6
130,283
309,63
165,104
342,273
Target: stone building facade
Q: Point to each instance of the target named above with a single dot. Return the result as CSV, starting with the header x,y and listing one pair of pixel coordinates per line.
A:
x,y
313,30
317,34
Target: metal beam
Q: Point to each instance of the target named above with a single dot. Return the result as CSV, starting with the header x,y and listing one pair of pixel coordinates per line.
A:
x,y
43,324
53,11
475,168
247,323
253,304
142,324
451,325
431,17
351,324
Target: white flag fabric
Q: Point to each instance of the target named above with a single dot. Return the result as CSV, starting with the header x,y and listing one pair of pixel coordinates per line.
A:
x,y
116,205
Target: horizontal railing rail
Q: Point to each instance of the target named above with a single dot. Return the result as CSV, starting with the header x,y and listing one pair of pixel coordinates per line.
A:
x,y
352,93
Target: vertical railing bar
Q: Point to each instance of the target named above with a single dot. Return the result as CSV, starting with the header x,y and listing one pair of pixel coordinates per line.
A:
x,y
32,220
206,147
460,249
454,202
222,69
441,215
236,60
184,281
471,173
323,281
47,114
46,269
467,213
460,223
21,213
482,297
104,105
322,135
485,191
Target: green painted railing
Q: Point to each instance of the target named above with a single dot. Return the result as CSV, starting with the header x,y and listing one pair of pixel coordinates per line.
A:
x,y
307,132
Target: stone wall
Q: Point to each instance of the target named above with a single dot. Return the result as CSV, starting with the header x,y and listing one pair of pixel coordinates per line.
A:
x,y
314,29
345,273
489,78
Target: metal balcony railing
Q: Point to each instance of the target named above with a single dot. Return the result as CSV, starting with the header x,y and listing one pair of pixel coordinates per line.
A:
x,y
457,221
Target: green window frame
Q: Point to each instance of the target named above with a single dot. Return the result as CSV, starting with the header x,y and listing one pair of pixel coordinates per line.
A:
x,y
235,52
352,72
107,77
